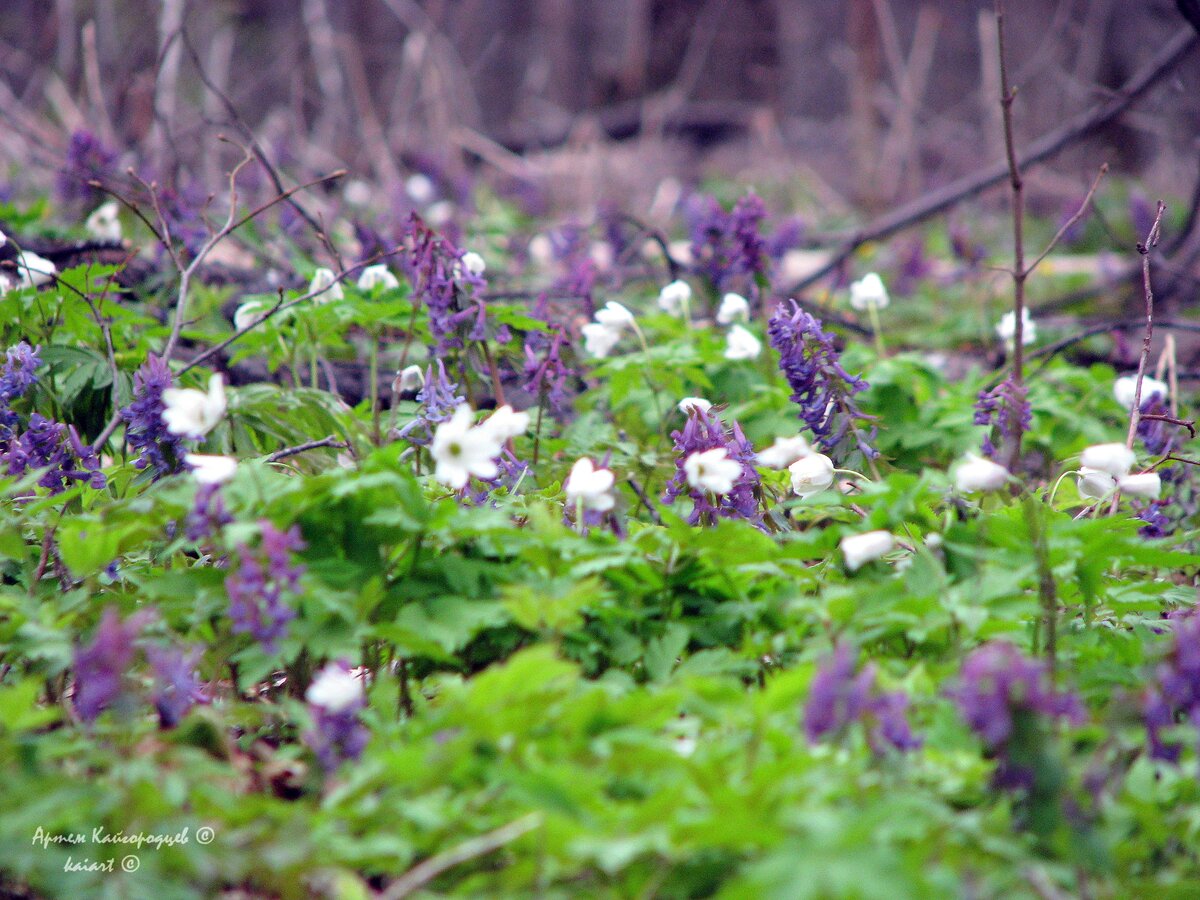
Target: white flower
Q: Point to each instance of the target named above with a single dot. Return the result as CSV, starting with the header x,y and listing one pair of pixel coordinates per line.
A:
x,y
712,471
460,450
859,549
1146,485
599,339
377,276
358,193
1125,387
420,188
473,263
1095,484
784,452
733,307
590,485
541,250
211,469
811,474
504,424
868,291
674,298
411,379
334,689
601,254
741,344
193,413
979,474
249,313
326,286
614,316
1006,328
440,213
687,404
103,223
1115,459
34,270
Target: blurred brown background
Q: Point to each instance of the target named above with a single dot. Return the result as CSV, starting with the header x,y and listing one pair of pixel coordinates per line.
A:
x,y
873,100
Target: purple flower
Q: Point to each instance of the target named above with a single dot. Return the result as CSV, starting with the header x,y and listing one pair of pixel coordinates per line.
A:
x,y
705,431
728,247
547,377
176,687
145,431
1003,695
1003,408
841,694
439,398
512,471
19,373
335,699
432,265
1176,693
49,445
824,390
100,667
88,159
257,587
207,515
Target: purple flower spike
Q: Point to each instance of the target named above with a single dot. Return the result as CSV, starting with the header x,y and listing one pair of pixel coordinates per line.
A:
x,y
145,431
1004,408
335,700
842,694
256,588
176,687
100,667
705,431
1176,693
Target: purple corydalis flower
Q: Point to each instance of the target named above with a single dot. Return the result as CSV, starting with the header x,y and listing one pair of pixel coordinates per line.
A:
x,y
18,375
50,445
728,247
433,267
335,699
1176,694
439,398
257,586
1002,695
207,515
841,694
820,385
100,667
88,159
705,431
547,377
176,687
145,431
1003,408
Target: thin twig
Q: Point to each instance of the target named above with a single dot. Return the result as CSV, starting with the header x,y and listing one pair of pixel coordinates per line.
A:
x,y
1071,222
1144,249
330,441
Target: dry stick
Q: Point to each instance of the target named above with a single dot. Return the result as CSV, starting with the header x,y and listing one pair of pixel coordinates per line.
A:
x,y
1071,222
423,873
1086,123
330,441
1135,414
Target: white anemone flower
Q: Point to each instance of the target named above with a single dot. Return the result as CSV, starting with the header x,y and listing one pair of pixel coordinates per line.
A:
x,y
420,188
505,424
473,263
811,474
411,379
860,549
461,450
784,452
193,413
687,404
103,223
1115,459
1125,387
740,343
1095,484
599,339
675,297
977,474
614,316
712,471
1146,485
590,486
325,286
868,292
249,313
334,689
208,469
377,276
34,270
733,307
1006,328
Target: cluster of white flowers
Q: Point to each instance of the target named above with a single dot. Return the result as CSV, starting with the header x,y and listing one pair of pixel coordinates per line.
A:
x,y
192,413
461,449
1125,387
590,487
602,334
1106,468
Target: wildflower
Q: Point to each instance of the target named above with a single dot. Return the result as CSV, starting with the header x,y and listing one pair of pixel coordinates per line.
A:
x,y
687,404
868,292
705,432
100,667
590,486
1146,485
17,376
504,424
1003,695
1095,484
733,307
675,297
257,585
811,474
614,316
473,264
410,379
146,431
977,474
420,188
712,471
599,339
191,413
1175,693
211,469
461,450
334,689
1006,328
1125,387
377,276
176,687
88,159
50,445
336,698
860,549
784,452
34,270
325,287
1004,408
727,247
822,388
249,314
1115,459
103,223
841,694
439,398
207,515
742,344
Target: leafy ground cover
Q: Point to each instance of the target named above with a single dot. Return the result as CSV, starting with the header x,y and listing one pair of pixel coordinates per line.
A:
x,y
623,576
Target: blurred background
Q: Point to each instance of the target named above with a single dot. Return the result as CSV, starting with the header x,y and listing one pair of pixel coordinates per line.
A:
x,y
569,102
